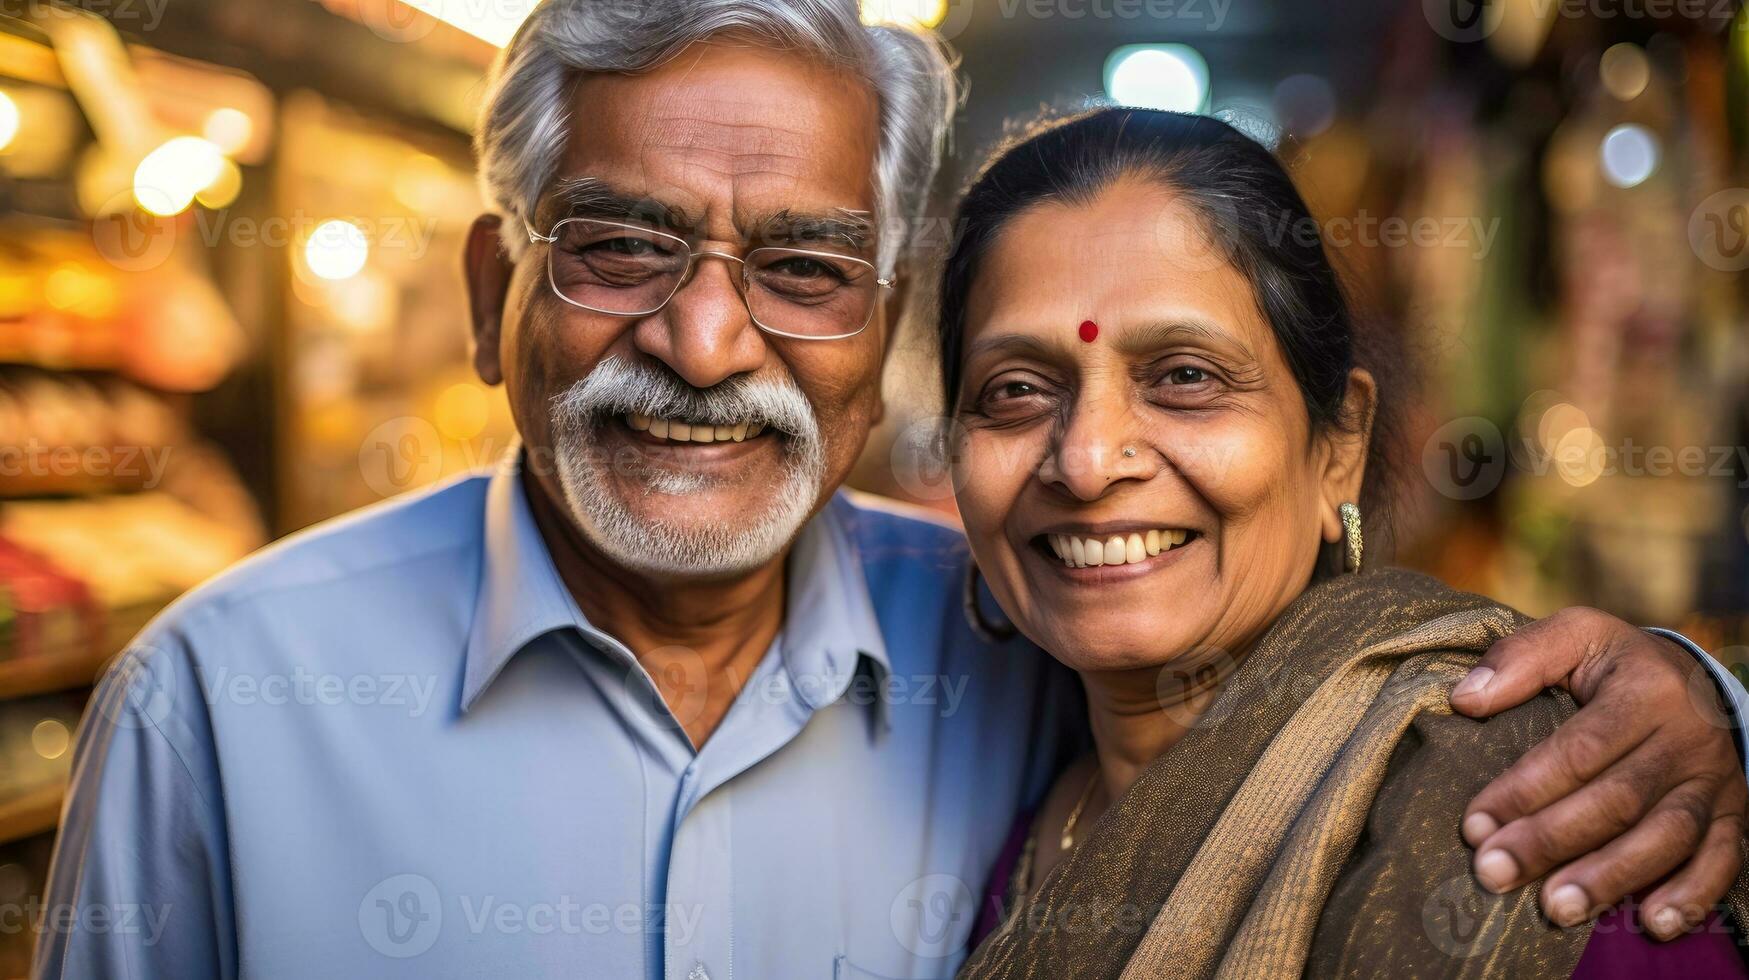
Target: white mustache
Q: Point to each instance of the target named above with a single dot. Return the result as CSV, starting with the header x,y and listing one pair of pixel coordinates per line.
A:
x,y
622,387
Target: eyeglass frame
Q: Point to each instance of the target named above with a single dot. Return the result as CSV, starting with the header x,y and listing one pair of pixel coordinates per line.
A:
x,y
692,257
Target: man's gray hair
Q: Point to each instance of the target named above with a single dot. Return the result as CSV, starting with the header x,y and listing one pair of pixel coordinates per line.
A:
x,y
526,117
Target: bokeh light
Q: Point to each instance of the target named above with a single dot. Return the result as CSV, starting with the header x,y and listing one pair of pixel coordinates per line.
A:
x,y
495,23
1305,104
1579,456
223,191
462,411
229,129
50,738
1158,76
913,13
10,120
1625,71
1557,421
336,250
167,180
1630,155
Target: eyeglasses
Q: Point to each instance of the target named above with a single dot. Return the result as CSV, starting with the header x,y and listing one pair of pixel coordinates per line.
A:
x,y
628,270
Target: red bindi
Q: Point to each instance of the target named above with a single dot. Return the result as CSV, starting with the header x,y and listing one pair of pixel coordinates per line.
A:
x,y
1089,331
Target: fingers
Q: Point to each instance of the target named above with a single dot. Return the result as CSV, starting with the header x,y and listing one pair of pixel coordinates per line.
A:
x,y
1681,903
1545,653
1655,847
1641,782
1526,848
1563,764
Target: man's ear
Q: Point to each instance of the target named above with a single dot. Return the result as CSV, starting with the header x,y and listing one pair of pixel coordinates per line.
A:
x,y
488,270
1348,441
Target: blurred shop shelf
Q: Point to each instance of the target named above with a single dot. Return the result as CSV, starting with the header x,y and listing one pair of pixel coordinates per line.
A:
x,y
34,811
72,668
47,673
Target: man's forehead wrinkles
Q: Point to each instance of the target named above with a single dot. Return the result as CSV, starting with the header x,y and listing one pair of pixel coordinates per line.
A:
x,y
689,130
735,167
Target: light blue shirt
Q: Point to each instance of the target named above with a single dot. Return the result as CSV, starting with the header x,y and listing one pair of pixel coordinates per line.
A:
x,y
394,747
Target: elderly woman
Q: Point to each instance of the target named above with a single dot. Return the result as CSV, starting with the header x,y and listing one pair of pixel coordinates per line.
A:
x,y
1164,437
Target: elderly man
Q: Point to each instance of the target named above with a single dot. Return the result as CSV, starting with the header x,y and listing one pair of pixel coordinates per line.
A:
x,y
654,699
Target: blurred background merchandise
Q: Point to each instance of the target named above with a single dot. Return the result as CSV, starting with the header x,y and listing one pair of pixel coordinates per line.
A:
x,y
230,302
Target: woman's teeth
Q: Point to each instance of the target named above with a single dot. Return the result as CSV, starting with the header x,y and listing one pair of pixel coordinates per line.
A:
x,y
680,430
1118,549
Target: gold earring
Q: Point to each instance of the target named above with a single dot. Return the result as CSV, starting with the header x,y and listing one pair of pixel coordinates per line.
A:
x,y
1351,538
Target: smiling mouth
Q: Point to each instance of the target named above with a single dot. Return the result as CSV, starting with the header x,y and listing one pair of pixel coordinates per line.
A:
x,y
676,431
1076,551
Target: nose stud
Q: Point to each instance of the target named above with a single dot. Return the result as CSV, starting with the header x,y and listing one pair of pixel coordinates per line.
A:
x,y
1129,452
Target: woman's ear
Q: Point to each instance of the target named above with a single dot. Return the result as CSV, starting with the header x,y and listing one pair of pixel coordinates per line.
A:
x,y
488,271
1348,441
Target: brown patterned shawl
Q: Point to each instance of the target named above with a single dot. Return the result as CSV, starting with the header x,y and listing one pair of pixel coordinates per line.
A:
x,y
1308,825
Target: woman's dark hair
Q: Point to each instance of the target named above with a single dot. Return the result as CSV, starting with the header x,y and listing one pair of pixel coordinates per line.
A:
x,y
1250,210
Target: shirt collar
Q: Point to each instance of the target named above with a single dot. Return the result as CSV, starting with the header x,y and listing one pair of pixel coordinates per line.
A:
x,y
830,625
829,619
521,595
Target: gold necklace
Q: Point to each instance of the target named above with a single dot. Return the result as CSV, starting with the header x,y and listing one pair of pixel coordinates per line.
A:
x,y
1068,839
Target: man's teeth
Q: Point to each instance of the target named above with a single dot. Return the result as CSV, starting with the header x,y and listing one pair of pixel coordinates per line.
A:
x,y
680,430
1118,549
